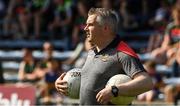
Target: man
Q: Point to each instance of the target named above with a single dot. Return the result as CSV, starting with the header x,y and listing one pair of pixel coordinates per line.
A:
x,y
108,58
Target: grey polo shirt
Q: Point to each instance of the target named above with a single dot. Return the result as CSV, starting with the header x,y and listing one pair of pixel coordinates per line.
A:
x,y
100,67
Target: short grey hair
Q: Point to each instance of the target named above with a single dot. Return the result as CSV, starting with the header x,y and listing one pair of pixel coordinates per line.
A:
x,y
106,17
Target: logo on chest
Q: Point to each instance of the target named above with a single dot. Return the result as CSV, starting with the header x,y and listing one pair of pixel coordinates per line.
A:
x,y
104,57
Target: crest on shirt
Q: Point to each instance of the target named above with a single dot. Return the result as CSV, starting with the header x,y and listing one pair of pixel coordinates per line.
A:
x,y
104,57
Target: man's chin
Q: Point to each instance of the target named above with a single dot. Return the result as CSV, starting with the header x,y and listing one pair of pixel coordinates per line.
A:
x,y
88,38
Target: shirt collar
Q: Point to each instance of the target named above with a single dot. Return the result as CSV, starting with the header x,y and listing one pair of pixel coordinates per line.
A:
x,y
113,44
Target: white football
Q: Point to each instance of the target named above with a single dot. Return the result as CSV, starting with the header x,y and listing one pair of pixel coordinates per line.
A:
x,y
73,78
119,79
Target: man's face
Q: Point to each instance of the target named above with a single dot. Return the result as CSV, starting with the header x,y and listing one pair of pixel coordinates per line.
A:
x,y
94,32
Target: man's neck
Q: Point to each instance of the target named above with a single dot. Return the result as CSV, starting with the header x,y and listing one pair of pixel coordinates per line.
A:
x,y
104,43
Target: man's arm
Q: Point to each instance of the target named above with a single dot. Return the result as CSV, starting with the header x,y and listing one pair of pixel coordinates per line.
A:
x,y
141,82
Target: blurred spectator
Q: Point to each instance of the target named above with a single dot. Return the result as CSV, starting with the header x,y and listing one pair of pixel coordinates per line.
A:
x,y
107,4
154,41
81,60
62,17
15,7
1,74
2,8
80,20
176,63
20,15
36,10
69,63
27,67
127,20
149,8
172,92
48,51
159,22
162,16
48,56
54,70
78,57
172,36
23,21
48,69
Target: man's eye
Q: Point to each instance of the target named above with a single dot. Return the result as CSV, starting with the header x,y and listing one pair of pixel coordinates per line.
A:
x,y
90,24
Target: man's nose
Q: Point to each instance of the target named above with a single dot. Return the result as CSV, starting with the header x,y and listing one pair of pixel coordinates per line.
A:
x,y
85,28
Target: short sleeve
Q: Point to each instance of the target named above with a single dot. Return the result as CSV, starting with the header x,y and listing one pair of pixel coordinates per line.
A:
x,y
130,65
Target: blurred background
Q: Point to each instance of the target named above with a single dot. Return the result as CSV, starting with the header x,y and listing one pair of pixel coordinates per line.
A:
x,y
40,39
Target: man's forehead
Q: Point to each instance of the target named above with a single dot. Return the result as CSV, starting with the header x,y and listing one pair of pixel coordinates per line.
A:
x,y
91,18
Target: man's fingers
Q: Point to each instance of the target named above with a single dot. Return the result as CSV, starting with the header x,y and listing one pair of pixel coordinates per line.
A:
x,y
62,87
62,82
99,97
63,91
62,76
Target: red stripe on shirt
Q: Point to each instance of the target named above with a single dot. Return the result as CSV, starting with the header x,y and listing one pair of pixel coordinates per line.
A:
x,y
123,47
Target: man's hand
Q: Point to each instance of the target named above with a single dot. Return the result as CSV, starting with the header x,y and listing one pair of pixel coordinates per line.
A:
x,y
105,95
61,85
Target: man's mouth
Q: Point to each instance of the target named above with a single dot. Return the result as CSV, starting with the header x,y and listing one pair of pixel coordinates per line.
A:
x,y
87,34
